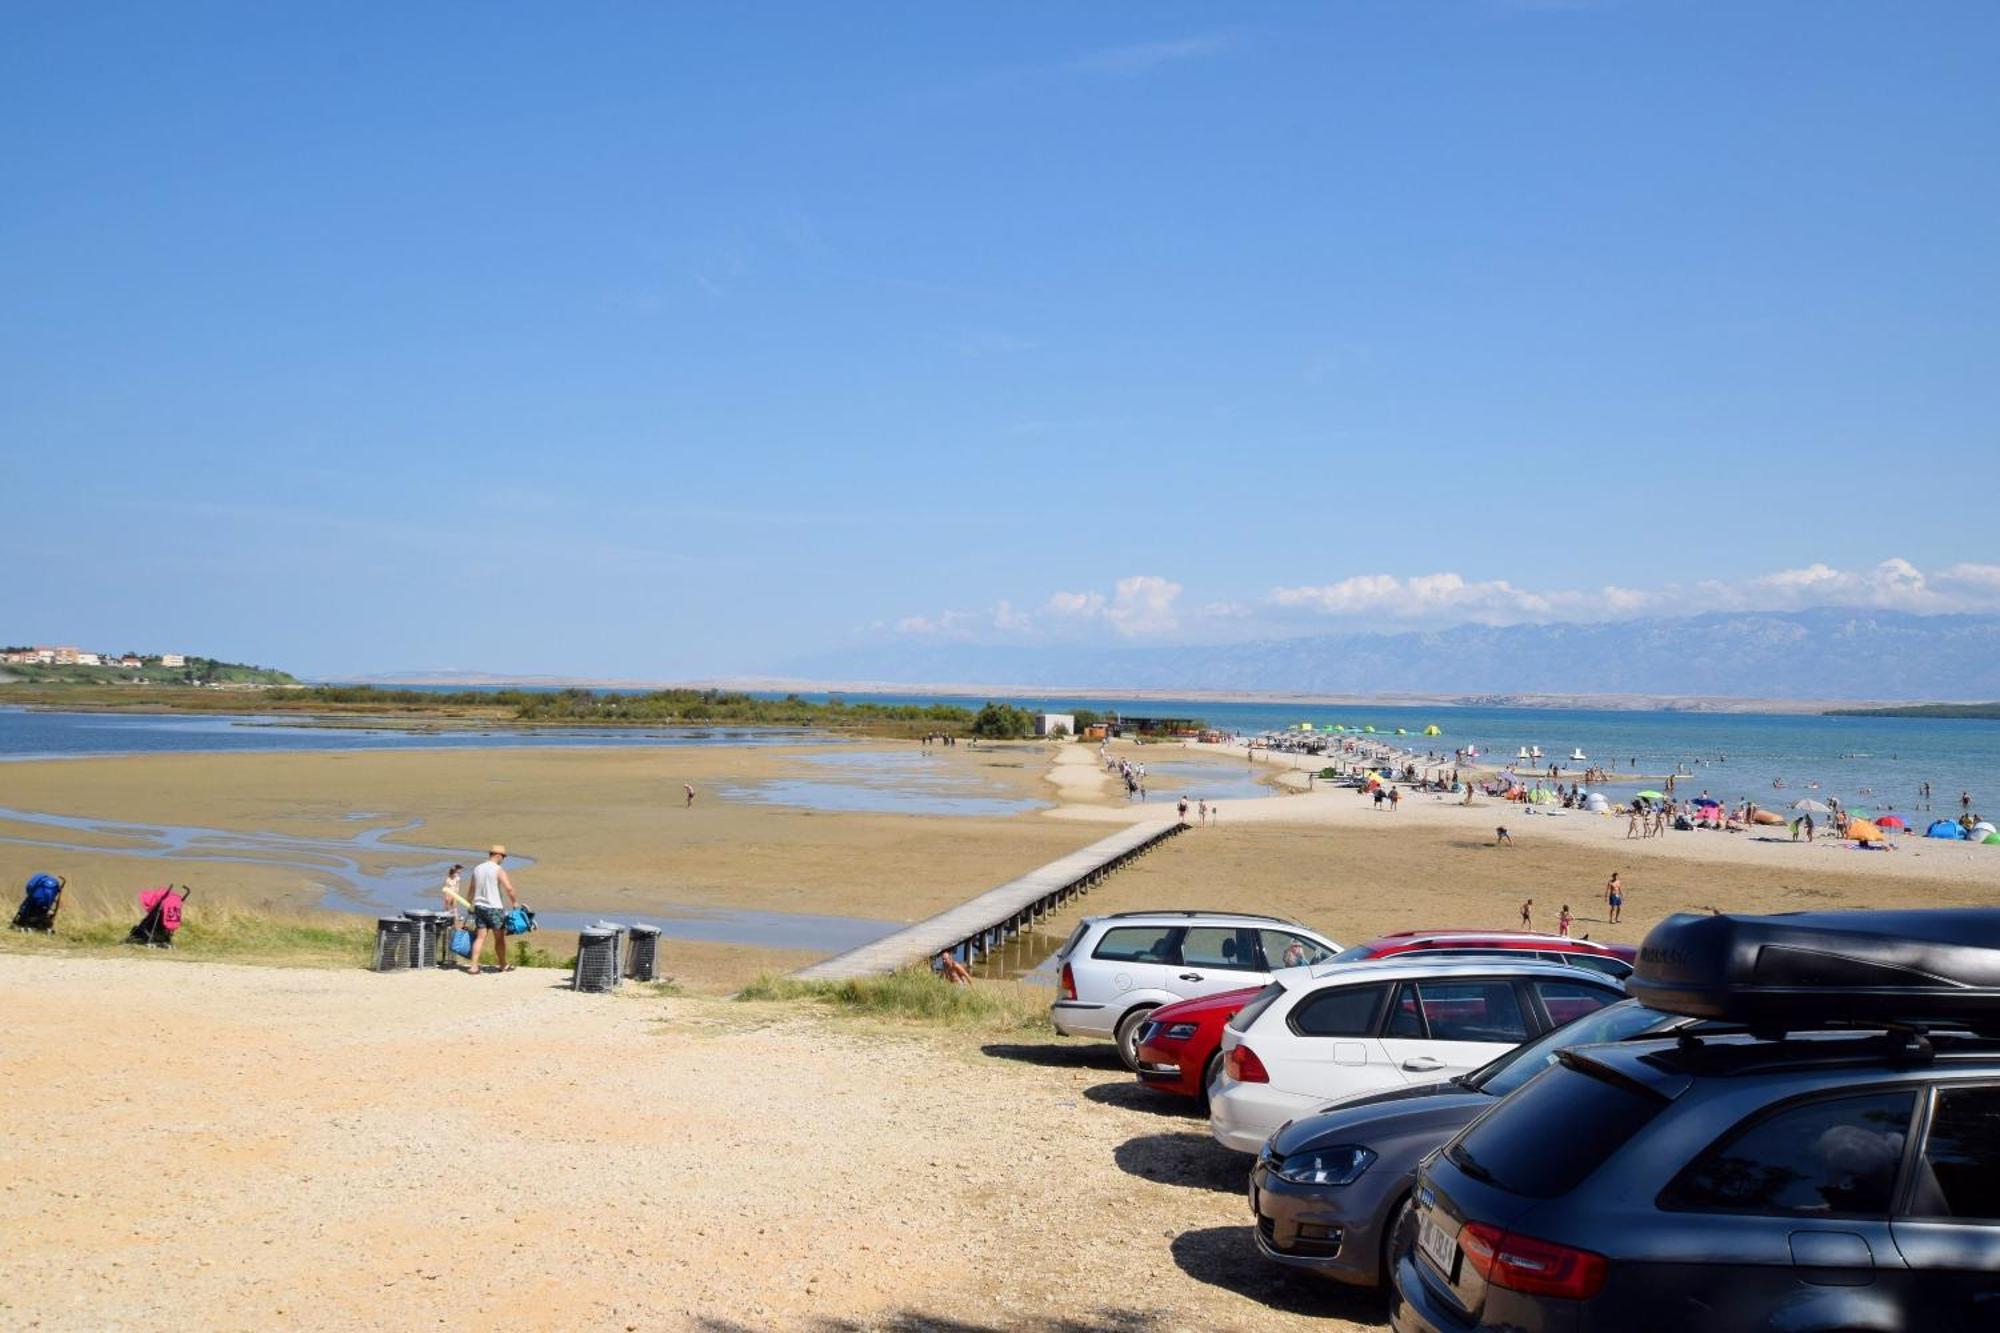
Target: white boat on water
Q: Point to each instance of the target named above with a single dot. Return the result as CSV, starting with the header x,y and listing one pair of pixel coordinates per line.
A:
x,y
1534,752
1577,756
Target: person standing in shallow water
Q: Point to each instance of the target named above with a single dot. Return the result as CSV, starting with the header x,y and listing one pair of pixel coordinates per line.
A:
x,y
489,913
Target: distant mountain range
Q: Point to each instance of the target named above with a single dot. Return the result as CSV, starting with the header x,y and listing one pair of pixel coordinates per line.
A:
x,y
1819,654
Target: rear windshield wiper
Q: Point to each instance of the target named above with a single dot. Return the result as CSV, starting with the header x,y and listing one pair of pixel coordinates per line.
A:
x,y
1469,1164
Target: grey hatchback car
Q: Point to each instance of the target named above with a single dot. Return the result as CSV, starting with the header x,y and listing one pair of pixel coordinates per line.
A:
x,y
1328,1190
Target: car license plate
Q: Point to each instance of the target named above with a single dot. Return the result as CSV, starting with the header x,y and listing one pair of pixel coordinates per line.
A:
x,y
1438,1245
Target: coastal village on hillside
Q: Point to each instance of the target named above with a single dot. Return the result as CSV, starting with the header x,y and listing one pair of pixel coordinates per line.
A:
x,y
81,657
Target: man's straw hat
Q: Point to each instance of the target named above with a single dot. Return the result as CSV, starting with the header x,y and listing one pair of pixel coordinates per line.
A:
x,y
496,850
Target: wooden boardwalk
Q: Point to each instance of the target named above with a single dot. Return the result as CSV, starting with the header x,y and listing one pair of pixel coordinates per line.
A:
x,y
975,927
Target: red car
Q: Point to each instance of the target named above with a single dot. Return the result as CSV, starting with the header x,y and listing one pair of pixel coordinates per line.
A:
x,y
1180,1044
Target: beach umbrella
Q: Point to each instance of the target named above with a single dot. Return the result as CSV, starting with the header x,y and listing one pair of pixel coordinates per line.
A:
x,y
1862,831
1811,807
1891,821
1433,730
1708,801
1944,828
1652,796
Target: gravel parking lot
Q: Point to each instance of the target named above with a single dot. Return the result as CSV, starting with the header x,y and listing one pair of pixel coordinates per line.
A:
x,y
235,1147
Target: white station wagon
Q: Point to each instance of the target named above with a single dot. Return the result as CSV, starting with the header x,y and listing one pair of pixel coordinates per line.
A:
x,y
1320,1035
1114,970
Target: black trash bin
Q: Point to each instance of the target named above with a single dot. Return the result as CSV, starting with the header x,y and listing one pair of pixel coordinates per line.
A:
x,y
618,930
642,954
431,928
396,944
596,960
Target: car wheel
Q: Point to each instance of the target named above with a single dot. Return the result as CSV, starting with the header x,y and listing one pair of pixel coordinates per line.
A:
x,y
1128,1037
1401,1218
1208,1074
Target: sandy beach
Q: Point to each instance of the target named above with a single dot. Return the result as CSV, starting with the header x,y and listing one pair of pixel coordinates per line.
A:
x,y
689,1161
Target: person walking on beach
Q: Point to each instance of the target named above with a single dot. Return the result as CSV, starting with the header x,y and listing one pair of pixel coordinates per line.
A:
x,y
1201,808
1395,799
1614,897
1563,920
1183,809
1527,911
688,787
1632,824
489,914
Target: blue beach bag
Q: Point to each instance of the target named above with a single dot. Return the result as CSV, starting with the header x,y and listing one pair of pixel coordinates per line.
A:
x,y
519,921
461,942
43,890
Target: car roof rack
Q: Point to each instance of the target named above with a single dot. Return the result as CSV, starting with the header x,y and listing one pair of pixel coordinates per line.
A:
x,y
1791,972
1197,913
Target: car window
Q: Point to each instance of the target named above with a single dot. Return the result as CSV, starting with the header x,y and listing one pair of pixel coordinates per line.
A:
x,y
1338,1011
1223,947
1546,1138
1254,1010
1836,1155
1075,938
1355,953
1284,949
1568,1001
1136,944
1465,1011
1960,1171
1616,968
1612,1023
1408,1018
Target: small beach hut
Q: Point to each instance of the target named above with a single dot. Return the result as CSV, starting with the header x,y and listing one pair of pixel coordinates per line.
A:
x,y
1944,828
1862,831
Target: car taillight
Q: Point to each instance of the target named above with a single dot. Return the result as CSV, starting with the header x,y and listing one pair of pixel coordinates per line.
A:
x,y
1243,1065
1538,1267
1066,987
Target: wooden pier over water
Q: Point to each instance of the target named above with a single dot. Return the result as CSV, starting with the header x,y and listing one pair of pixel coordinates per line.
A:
x,y
974,928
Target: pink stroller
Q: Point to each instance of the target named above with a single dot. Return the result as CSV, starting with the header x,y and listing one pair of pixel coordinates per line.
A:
x,y
163,916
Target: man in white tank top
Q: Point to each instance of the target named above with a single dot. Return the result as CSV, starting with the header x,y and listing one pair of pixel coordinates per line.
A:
x,y
489,913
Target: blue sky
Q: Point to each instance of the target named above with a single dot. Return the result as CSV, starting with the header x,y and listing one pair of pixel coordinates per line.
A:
x,y
670,340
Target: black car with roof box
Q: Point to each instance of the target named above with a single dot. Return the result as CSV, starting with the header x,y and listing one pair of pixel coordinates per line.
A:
x,y
1757,1178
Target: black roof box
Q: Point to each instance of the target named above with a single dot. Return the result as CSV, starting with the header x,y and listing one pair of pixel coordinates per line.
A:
x,y
1800,969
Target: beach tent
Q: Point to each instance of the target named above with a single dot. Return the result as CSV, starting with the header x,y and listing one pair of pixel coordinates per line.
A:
x,y
1862,831
1982,828
1596,802
1810,807
1402,731
1370,730
1433,730
1944,828
1541,796
1992,840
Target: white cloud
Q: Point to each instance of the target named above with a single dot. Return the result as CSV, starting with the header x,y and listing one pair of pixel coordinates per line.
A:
x,y
1893,585
1144,604
1148,605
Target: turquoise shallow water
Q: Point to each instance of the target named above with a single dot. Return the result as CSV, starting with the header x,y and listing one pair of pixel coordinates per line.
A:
x,y
1880,763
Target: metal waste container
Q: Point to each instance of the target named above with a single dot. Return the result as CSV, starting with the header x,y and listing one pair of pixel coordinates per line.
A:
x,y
618,930
596,960
642,954
431,929
396,944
